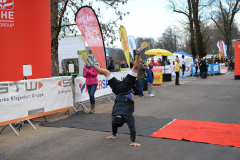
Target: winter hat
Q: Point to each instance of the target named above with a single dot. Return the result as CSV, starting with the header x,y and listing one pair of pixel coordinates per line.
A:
x,y
150,66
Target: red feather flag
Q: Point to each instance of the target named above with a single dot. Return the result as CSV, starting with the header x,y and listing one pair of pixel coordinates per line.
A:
x,y
88,25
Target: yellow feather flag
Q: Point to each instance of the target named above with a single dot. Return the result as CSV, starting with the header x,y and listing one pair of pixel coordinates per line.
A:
x,y
219,54
124,40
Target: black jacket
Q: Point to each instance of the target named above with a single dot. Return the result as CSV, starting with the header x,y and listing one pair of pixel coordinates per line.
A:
x,y
204,66
123,106
123,66
111,66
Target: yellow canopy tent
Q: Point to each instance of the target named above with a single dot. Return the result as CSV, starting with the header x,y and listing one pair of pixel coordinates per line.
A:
x,y
159,52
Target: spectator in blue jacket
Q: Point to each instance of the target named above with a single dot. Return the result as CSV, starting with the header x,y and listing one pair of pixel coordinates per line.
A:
x,y
149,80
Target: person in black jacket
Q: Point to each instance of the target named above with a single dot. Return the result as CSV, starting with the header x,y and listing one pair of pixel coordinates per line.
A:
x,y
111,65
123,65
124,105
217,60
204,68
201,67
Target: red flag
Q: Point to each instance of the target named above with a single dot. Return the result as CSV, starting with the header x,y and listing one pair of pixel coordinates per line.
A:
x,y
88,24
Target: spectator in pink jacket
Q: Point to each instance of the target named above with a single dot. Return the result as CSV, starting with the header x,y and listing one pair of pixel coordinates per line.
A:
x,y
91,81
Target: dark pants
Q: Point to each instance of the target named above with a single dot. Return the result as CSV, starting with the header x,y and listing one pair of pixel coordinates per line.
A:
x,y
141,83
196,70
177,78
91,91
131,125
183,69
201,71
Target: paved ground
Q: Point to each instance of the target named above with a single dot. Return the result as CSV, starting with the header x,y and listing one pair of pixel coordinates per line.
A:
x,y
214,99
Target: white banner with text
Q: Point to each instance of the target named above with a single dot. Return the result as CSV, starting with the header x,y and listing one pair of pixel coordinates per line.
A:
x,y
223,68
28,99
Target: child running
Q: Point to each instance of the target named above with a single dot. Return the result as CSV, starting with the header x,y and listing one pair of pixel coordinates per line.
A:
x,y
124,105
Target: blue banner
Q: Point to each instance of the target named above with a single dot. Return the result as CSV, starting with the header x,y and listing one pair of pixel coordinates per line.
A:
x,y
215,68
212,69
193,70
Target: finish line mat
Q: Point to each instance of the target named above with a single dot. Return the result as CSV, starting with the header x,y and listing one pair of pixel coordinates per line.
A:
x,y
145,126
200,131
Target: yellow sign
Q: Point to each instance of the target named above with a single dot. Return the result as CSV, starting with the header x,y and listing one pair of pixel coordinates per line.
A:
x,y
158,76
124,40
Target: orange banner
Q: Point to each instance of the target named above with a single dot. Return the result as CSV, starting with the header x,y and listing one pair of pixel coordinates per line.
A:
x,y
25,30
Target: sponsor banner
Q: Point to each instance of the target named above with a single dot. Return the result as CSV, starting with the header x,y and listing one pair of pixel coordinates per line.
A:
x,y
81,93
168,69
25,32
88,25
187,71
28,98
132,45
215,68
223,68
124,40
212,69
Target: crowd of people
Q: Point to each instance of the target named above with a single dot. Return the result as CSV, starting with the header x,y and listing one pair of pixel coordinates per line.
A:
x,y
202,65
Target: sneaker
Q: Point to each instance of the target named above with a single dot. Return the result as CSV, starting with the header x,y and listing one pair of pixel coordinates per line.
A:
x,y
151,95
183,77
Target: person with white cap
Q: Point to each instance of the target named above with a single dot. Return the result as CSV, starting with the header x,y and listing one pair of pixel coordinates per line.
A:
x,y
183,62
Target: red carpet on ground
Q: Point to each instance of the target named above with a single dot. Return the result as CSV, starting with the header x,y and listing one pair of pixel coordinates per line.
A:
x,y
200,131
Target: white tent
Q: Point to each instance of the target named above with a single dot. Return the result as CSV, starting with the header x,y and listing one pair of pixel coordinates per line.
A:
x,y
189,60
68,47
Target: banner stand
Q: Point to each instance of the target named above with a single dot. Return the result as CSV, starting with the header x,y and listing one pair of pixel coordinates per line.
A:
x,y
108,98
11,127
18,127
82,103
83,107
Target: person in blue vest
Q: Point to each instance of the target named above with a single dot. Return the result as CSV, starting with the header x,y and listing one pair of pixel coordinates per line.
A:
x,y
149,80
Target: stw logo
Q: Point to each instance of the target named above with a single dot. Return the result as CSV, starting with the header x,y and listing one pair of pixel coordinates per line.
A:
x,y
6,4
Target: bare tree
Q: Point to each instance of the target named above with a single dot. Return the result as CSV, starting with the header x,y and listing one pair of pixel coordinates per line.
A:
x,y
150,41
62,23
193,10
224,21
170,39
